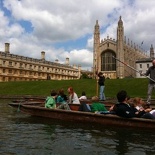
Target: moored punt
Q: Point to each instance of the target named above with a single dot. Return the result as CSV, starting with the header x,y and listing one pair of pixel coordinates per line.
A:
x,y
41,104
27,99
18,104
107,103
86,117
37,99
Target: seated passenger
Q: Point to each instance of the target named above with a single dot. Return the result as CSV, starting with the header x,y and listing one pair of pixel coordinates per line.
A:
x,y
122,108
62,99
73,98
142,112
84,107
50,100
153,112
95,107
83,96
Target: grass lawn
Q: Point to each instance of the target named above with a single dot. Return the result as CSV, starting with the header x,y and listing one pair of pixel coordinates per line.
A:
x,y
134,87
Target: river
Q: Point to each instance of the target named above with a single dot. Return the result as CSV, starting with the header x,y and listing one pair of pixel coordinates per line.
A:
x,y
21,134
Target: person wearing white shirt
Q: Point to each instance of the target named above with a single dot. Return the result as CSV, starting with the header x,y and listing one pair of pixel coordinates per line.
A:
x,y
73,98
83,96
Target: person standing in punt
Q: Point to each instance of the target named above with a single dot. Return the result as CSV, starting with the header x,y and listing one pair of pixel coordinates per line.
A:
x,y
50,101
101,81
73,98
151,85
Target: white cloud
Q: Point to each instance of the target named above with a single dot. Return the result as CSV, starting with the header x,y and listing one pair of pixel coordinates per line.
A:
x,y
65,20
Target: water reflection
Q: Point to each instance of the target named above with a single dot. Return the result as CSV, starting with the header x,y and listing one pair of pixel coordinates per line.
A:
x,y
24,135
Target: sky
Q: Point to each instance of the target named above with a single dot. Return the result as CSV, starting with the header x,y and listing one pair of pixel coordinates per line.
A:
x,y
64,28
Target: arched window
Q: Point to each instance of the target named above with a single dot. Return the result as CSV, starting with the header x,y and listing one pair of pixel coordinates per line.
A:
x,y
108,63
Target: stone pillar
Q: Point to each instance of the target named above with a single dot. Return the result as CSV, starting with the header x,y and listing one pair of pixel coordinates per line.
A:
x,y
43,55
152,52
7,47
67,61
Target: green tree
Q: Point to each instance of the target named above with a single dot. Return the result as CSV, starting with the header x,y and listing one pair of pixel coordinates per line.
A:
x,y
84,76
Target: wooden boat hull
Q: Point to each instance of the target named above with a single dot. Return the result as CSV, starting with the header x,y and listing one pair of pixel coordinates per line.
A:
x,y
87,117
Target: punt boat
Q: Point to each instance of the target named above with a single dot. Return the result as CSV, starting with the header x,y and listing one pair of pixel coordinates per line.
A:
x,y
73,115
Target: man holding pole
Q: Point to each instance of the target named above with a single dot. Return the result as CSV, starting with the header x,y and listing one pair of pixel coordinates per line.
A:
x,y
151,85
151,72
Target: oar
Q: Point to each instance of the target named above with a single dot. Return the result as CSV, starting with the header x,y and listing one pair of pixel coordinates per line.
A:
x,y
133,69
96,73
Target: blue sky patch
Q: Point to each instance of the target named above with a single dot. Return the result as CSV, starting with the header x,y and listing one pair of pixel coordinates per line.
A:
x,y
78,44
26,25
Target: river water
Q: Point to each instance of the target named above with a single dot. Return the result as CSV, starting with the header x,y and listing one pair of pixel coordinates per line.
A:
x,y
21,134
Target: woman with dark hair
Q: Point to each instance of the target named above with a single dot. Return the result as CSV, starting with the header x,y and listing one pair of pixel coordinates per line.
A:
x,y
61,96
62,100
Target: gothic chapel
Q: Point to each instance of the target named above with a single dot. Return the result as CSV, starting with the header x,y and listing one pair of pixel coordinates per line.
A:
x,y
105,50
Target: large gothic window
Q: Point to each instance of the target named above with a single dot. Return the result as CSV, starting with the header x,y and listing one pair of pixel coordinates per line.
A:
x,y
108,63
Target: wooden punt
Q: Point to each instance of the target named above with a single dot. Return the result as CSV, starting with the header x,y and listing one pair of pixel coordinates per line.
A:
x,y
18,104
27,99
85,117
107,103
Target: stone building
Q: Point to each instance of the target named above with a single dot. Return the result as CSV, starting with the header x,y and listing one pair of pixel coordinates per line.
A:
x,y
105,51
19,68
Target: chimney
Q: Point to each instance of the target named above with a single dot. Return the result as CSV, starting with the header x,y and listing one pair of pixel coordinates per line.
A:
x,y
67,61
152,52
7,47
56,60
79,71
43,55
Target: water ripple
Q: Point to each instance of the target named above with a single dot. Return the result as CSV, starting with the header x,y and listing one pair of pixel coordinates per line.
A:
x,y
25,135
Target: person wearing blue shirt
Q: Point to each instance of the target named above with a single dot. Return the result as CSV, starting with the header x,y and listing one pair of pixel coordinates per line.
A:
x,y
62,100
